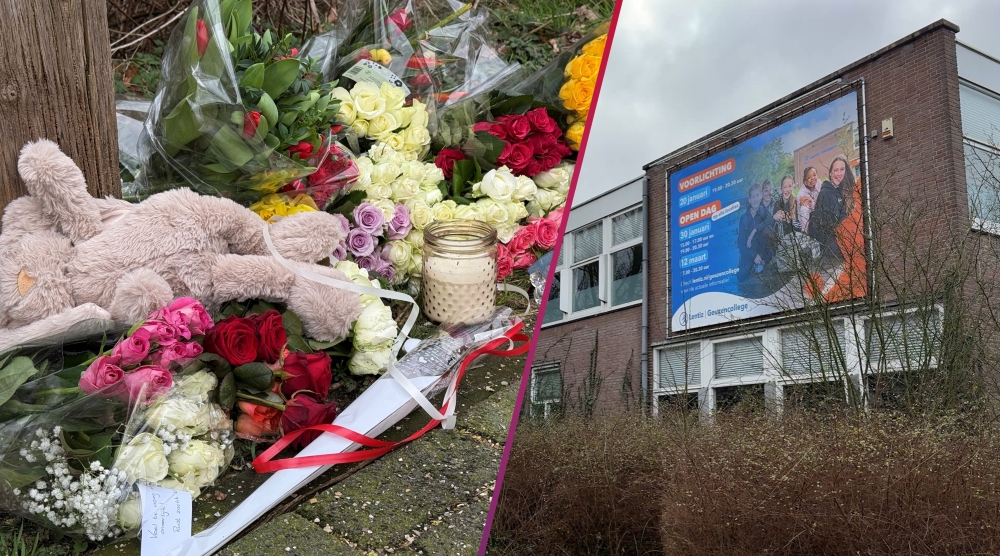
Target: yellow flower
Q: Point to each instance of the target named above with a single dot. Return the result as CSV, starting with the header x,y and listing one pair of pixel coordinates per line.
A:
x,y
275,205
577,95
381,56
575,134
584,68
596,46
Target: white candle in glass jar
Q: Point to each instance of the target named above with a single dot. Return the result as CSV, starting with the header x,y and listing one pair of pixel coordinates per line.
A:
x,y
459,271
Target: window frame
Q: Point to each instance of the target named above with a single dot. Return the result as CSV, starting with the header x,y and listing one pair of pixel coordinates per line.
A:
x,y
566,267
977,223
545,405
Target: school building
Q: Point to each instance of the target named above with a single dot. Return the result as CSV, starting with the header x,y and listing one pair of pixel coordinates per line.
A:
x,y
843,239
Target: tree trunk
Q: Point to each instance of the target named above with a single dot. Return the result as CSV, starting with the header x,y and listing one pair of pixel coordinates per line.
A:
x,y
56,83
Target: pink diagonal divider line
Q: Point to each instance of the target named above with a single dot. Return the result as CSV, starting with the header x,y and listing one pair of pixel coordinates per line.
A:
x,y
526,376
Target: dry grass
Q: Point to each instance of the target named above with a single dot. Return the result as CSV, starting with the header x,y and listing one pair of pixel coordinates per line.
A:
x,y
809,484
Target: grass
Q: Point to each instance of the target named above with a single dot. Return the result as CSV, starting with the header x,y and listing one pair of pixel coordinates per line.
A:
x,y
808,484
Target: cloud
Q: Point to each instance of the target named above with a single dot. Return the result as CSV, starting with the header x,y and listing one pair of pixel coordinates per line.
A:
x,y
680,69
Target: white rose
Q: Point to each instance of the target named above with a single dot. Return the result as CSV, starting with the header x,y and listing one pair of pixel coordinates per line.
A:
x,y
367,100
416,137
130,513
369,362
383,191
432,175
404,188
174,484
394,96
400,253
499,184
419,117
406,115
381,125
445,210
375,329
420,214
416,239
516,212
493,212
557,178
348,113
506,231
386,205
349,268
197,385
197,465
365,167
468,212
143,458
431,196
535,210
181,412
548,199
360,277
395,141
384,173
414,171
417,264
360,127
525,189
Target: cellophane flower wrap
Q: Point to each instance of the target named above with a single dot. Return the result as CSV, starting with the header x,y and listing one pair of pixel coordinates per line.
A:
x,y
82,423
238,114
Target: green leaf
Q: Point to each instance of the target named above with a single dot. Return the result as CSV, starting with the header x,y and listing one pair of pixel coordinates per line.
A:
x,y
513,105
279,76
292,323
253,76
180,127
227,391
255,377
230,148
189,44
268,109
13,375
216,363
464,170
298,343
17,479
259,308
316,344
242,16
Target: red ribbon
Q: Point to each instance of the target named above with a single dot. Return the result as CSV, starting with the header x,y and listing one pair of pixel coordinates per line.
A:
x,y
265,463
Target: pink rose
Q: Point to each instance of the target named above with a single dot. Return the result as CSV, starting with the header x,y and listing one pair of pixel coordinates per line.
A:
x,y
541,121
161,332
523,240
187,316
524,260
104,372
546,233
149,381
134,349
555,215
517,126
180,352
505,263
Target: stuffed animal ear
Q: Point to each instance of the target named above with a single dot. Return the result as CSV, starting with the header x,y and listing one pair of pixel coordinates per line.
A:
x,y
55,180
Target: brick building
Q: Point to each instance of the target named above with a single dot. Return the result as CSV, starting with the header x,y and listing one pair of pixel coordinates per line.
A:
x,y
626,326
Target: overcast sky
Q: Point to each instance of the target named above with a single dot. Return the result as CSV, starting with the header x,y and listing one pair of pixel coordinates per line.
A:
x,y
680,69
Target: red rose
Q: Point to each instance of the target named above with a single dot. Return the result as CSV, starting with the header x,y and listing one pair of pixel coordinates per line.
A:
x,y
541,121
401,19
549,162
446,159
271,335
257,422
309,371
524,260
546,233
201,37
303,411
505,263
517,127
293,52
334,173
296,185
421,80
562,148
234,339
303,148
250,123
534,168
483,126
516,156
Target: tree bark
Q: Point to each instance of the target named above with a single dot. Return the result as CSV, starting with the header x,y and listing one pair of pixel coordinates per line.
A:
x,y
56,83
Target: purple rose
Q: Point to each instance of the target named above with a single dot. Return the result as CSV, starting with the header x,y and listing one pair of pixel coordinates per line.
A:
x,y
386,270
360,242
400,224
369,218
134,349
376,264
340,253
343,222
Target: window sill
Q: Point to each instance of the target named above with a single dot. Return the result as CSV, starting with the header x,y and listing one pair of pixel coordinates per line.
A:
x,y
579,315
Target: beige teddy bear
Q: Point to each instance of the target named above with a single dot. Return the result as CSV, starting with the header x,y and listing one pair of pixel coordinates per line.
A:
x,y
66,257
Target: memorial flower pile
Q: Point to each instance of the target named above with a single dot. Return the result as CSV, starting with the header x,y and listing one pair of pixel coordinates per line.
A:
x,y
577,92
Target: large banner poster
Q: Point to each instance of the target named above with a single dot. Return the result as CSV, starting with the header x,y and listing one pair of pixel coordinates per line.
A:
x,y
772,224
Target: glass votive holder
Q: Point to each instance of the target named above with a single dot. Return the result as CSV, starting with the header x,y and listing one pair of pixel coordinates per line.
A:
x,y
459,271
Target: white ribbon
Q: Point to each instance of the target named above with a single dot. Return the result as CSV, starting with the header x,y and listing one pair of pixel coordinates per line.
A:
x,y
448,417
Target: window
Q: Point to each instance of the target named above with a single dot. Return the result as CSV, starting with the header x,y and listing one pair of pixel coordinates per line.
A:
x,y
683,403
602,268
810,350
739,358
680,367
741,397
552,311
906,341
981,129
546,388
823,395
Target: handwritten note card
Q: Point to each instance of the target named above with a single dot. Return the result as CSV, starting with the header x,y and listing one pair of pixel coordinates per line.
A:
x,y
166,518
